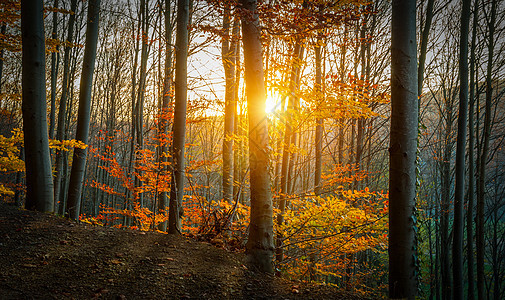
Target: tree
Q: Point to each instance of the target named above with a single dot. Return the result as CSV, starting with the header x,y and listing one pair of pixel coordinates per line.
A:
x,y
141,91
402,152
260,246
471,165
229,106
167,98
480,246
179,127
290,139
62,112
83,118
39,180
459,198
319,122
424,46
55,59
2,31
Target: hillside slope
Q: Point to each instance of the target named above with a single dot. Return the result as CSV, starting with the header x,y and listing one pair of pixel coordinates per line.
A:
x,y
47,257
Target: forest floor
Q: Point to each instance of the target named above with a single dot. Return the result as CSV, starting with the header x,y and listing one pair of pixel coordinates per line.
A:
x,y
47,257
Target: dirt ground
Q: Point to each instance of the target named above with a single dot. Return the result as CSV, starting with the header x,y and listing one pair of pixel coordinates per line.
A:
x,y
47,257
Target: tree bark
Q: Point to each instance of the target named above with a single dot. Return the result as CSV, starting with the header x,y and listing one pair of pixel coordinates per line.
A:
x,y
2,31
459,198
55,58
424,47
60,130
403,146
139,112
343,52
481,193
319,121
39,180
228,57
83,117
167,98
445,205
471,168
179,127
289,141
237,169
259,247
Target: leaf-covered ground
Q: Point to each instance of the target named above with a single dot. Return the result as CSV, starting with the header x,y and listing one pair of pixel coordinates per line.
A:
x,y
47,257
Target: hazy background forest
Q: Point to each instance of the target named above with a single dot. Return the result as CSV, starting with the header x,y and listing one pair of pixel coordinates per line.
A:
x,y
327,76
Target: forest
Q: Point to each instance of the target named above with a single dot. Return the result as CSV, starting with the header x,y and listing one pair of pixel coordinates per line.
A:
x,y
353,143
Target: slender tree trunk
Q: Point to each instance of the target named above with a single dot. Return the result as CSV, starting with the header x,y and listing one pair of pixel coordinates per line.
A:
x,y
229,107
319,121
459,198
260,246
62,112
483,159
432,271
83,117
424,47
179,127
494,244
403,146
437,249
2,31
236,153
318,138
139,113
343,49
163,199
446,206
39,180
19,180
471,169
133,128
289,142
54,73
364,76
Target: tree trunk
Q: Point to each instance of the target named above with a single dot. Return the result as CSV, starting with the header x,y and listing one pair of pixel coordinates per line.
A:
x,y
139,112
343,52
294,106
459,198
289,142
445,205
83,117
179,127
55,58
483,159
39,180
163,199
228,56
424,47
237,170
403,146
259,247
495,262
319,121
133,126
60,130
364,76
2,31
471,169
318,88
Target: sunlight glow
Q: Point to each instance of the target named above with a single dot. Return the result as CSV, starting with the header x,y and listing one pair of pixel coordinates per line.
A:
x,y
273,102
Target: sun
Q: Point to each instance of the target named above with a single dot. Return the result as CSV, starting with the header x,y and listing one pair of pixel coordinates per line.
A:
x,y
273,102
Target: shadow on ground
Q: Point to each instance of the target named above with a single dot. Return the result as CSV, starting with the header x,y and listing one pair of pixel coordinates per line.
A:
x,y
47,257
